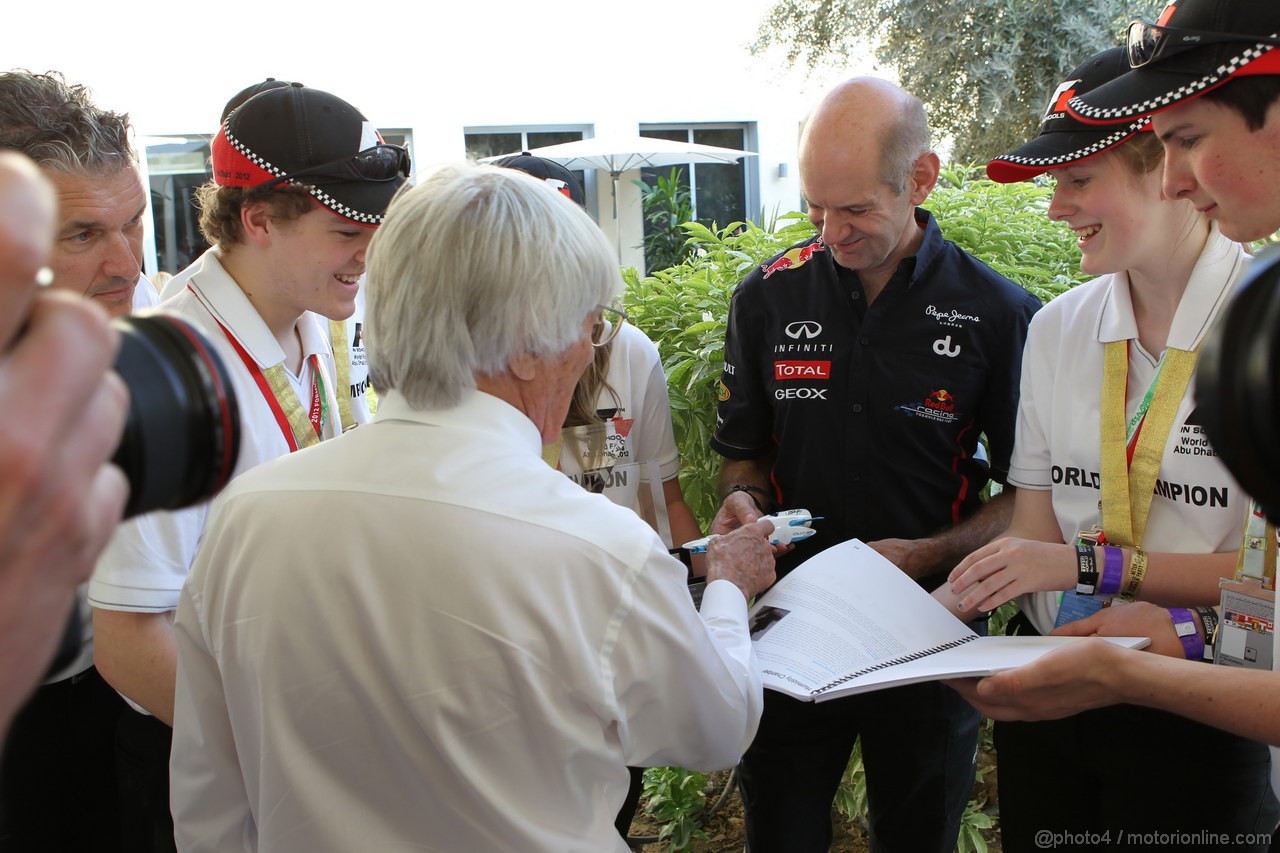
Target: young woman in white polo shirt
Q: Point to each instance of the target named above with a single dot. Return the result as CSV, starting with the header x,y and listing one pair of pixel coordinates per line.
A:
x,y
1120,496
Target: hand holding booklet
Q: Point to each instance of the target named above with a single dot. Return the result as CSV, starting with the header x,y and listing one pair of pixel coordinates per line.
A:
x,y
849,621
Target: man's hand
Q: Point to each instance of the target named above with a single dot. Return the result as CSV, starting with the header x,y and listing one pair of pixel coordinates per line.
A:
x,y
744,557
60,499
737,510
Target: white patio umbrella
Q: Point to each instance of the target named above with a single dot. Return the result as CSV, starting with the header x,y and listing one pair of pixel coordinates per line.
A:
x,y
618,154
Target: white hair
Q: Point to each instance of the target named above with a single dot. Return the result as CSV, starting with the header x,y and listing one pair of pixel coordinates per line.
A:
x,y
474,266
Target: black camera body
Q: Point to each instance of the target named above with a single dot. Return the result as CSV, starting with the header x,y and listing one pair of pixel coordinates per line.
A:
x,y
1237,387
181,436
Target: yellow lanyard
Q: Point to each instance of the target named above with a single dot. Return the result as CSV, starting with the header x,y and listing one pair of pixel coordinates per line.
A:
x,y
306,431
1129,470
342,366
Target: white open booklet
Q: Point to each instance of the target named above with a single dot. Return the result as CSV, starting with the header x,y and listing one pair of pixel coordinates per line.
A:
x,y
848,621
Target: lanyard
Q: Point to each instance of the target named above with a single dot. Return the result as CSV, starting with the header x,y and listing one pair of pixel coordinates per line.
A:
x,y
1132,453
1257,557
342,366
300,429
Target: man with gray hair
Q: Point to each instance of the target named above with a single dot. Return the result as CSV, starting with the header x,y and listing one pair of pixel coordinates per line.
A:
x,y
420,634
58,780
861,368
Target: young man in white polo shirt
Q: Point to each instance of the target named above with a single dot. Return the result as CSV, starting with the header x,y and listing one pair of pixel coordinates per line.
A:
x,y
301,179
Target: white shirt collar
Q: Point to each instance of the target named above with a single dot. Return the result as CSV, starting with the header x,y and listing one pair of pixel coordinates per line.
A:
x,y
218,291
1212,282
476,412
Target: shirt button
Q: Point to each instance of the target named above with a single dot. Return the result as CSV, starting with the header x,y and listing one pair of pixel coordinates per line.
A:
x,y
857,407
865,341
855,296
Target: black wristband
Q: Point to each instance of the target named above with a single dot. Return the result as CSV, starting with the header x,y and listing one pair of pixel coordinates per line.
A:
x,y
1086,570
752,491
1209,625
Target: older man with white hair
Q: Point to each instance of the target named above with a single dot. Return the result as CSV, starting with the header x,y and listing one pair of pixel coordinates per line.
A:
x,y
420,635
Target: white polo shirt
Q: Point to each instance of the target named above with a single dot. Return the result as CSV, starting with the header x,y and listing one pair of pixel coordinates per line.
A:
x,y
1198,506
354,326
420,636
634,450
144,566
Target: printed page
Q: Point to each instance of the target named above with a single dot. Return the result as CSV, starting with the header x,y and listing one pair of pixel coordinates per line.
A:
x,y
983,656
841,611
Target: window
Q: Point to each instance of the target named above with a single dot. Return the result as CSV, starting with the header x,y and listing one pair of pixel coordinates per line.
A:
x,y
722,192
176,166
484,142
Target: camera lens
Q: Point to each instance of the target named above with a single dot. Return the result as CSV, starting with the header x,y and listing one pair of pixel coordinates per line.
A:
x,y
182,435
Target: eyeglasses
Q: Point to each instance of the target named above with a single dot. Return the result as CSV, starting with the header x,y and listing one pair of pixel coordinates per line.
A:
x,y
606,328
1150,42
380,163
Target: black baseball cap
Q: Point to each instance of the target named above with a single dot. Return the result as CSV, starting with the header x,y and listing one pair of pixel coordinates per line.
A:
x,y
314,140
560,178
248,92
1064,139
1193,47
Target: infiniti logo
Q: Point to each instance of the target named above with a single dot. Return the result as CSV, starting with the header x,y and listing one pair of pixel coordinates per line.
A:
x,y
803,329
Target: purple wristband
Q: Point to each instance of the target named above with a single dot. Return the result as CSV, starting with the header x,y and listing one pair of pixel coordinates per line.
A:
x,y
1112,557
1185,626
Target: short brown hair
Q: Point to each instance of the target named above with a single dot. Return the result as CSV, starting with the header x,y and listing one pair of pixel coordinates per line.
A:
x,y
220,209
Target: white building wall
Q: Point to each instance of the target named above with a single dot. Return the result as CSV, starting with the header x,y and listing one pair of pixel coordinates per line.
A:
x,y
437,68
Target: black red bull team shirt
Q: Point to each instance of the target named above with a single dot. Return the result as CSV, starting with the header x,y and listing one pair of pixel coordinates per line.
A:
x,y
876,411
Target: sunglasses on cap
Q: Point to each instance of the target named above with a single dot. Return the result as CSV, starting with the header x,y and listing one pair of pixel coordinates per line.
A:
x,y
380,163
1150,42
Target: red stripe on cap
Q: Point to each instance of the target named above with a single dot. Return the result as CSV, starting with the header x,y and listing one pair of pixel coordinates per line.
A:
x,y
233,169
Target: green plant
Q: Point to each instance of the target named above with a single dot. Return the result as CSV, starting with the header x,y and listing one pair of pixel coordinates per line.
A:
x,y
676,798
683,309
667,205
851,795
972,823
1007,226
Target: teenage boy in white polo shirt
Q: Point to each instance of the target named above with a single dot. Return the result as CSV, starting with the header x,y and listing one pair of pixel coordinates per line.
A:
x,y
301,179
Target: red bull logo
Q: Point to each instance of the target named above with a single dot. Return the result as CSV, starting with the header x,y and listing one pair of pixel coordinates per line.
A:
x,y
792,258
940,400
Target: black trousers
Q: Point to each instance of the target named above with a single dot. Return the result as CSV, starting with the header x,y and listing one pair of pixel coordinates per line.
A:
x,y
142,758
1120,777
58,790
918,747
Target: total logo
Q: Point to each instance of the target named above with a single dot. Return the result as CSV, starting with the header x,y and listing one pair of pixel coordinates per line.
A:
x,y
938,406
783,370
807,329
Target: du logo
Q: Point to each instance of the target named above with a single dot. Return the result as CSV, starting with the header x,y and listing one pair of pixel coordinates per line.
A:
x,y
942,346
